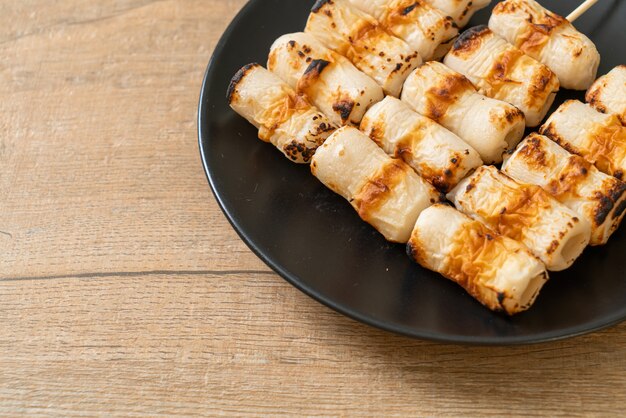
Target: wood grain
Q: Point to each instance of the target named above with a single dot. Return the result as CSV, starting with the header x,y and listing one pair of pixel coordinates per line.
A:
x,y
124,291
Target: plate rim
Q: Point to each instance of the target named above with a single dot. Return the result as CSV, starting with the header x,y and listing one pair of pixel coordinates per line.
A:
x,y
544,337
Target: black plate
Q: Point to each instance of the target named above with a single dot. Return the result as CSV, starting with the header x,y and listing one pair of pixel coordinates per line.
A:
x,y
314,239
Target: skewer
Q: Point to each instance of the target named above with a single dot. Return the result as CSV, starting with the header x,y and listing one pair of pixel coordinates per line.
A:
x,y
580,10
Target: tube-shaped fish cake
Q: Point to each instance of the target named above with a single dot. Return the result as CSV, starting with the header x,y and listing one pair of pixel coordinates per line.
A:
x,y
548,38
329,80
438,155
573,181
526,213
501,71
490,126
499,272
423,27
608,93
460,10
599,138
360,38
285,119
385,192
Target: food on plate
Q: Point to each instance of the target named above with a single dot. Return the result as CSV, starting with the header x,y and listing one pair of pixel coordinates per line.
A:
x,y
425,28
599,138
608,93
327,79
573,181
438,155
526,213
498,271
460,10
490,126
385,192
502,71
360,38
548,38
284,118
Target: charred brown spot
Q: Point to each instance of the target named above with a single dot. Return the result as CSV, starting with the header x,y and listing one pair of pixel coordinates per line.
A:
x,y
593,97
409,9
550,131
501,297
376,191
311,75
620,210
503,66
512,114
466,10
440,97
344,109
296,150
533,153
469,41
603,209
239,75
617,190
552,247
315,68
319,4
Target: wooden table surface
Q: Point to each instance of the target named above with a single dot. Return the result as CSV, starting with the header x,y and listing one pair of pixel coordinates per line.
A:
x,y
124,290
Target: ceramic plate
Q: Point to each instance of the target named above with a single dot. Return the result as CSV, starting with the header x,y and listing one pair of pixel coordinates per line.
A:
x,y
315,240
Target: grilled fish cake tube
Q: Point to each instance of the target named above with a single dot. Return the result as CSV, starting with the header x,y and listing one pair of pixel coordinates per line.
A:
x,y
438,155
548,38
490,126
502,71
526,213
599,138
608,93
499,272
573,181
285,119
360,38
460,10
385,192
329,80
425,28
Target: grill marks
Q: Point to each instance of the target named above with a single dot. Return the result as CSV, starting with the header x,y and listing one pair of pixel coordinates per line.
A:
x,y
378,188
280,112
283,117
541,25
573,181
364,41
475,250
439,98
471,255
231,92
516,211
603,145
469,42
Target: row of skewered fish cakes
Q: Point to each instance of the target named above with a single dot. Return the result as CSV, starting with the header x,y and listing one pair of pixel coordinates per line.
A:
x,y
379,192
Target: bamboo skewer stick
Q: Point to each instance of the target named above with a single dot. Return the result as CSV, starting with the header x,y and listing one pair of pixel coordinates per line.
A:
x,y
586,5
